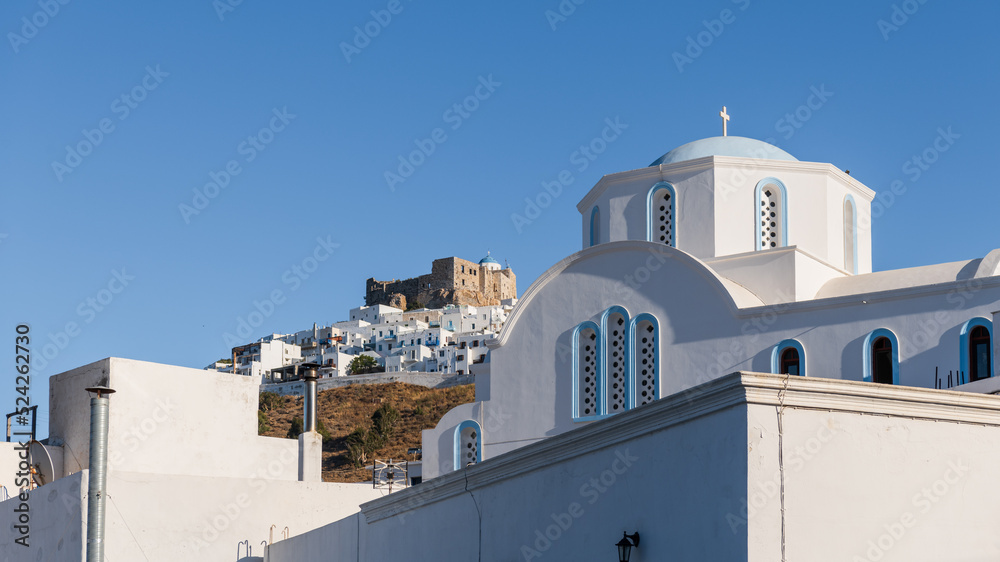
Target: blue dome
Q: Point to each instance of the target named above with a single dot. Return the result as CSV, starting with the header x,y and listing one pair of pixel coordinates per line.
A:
x,y
488,259
724,146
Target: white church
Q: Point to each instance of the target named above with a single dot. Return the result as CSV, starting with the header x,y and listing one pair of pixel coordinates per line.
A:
x,y
716,375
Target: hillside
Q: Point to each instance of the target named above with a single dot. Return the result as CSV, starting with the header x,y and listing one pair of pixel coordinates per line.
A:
x,y
342,410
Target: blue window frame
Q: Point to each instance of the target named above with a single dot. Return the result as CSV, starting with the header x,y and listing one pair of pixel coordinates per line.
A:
x,y
614,359
661,220
976,350
881,357
643,361
595,226
588,385
468,444
771,212
788,357
615,364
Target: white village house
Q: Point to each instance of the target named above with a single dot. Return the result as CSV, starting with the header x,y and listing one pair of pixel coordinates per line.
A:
x,y
718,372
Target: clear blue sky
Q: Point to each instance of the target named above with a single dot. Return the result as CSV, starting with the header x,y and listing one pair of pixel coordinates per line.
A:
x,y
197,87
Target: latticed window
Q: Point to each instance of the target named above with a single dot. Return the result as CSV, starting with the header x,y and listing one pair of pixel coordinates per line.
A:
x,y
469,449
615,362
586,375
771,207
645,362
662,215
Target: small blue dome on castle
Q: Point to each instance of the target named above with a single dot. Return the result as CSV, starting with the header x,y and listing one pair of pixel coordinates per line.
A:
x,y
488,259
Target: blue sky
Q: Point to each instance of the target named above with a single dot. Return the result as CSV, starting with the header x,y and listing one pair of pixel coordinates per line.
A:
x,y
309,114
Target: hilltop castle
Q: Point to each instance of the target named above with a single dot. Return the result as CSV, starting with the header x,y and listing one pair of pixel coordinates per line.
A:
x,y
451,281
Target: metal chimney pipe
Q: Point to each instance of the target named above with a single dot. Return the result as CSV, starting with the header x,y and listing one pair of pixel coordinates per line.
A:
x,y
309,416
97,485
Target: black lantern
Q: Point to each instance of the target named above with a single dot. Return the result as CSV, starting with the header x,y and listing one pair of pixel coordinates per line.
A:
x,y
625,546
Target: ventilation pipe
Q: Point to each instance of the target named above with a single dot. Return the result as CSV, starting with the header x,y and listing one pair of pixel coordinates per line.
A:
x,y
310,442
97,485
309,416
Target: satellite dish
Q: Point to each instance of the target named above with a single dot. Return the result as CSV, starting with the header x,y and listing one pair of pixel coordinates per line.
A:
x,y
41,463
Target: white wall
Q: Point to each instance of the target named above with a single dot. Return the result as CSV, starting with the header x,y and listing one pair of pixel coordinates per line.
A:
x,y
850,462
888,487
205,423
57,523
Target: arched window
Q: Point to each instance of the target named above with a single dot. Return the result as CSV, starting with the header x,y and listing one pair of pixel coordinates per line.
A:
x,y
976,352
772,214
468,444
660,214
644,382
586,383
882,361
979,354
881,357
614,328
790,361
850,235
595,226
788,357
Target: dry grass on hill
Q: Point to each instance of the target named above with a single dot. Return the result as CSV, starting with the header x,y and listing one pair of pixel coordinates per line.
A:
x,y
344,409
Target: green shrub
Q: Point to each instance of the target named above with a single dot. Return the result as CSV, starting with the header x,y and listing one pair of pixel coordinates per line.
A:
x,y
297,426
262,423
296,429
270,401
384,421
362,443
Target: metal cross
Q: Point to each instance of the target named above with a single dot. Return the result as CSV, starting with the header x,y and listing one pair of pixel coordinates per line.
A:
x,y
725,120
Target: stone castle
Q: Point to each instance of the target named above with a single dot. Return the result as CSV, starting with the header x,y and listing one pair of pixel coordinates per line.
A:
x,y
451,281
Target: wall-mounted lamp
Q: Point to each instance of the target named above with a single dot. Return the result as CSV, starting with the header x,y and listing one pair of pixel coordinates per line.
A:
x,y
625,546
